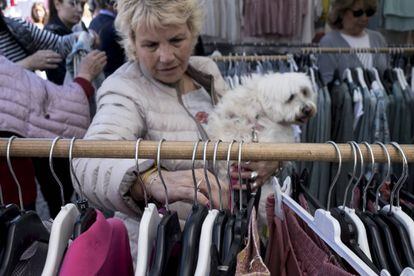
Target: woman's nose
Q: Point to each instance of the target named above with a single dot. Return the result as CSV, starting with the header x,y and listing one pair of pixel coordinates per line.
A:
x,y
166,54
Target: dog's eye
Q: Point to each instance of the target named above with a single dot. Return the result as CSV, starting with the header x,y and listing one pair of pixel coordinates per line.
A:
x,y
305,92
290,98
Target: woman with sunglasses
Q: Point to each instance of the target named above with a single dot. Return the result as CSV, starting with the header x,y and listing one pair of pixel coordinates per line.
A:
x,y
349,20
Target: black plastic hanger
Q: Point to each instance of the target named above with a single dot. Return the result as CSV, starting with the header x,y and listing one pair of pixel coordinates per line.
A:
x,y
221,219
22,231
349,231
401,238
168,234
87,215
7,213
377,247
192,229
391,248
240,225
229,228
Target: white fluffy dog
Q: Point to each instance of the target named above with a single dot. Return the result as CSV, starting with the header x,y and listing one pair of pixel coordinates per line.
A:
x,y
263,110
267,106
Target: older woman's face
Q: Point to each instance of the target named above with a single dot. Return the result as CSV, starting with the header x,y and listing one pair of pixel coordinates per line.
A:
x,y
356,19
164,52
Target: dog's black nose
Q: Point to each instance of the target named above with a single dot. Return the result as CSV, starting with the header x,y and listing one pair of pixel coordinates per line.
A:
x,y
307,111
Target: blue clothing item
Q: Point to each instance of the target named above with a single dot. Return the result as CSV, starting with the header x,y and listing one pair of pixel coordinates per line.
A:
x,y
380,127
398,15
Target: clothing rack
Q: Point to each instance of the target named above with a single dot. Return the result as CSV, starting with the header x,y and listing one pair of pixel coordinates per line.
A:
x,y
333,50
251,58
316,50
28,147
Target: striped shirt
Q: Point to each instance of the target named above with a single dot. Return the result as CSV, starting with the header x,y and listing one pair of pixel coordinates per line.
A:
x,y
44,40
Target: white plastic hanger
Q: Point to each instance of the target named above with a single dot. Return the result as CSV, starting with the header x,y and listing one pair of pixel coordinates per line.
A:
x,y
62,227
348,75
400,79
206,237
405,220
328,228
377,78
362,232
361,79
408,271
148,225
404,78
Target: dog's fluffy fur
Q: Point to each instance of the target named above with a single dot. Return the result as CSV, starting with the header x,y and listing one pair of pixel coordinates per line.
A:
x,y
268,104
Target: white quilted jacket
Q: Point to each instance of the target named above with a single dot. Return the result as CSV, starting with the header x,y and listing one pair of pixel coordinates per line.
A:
x,y
130,104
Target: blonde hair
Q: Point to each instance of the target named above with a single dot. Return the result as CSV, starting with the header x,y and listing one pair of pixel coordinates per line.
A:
x,y
155,14
339,7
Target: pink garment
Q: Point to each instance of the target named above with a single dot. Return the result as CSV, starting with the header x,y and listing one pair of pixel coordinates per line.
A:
x,y
291,251
33,107
102,250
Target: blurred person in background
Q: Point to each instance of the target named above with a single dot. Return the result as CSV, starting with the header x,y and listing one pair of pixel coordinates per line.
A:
x,y
63,16
349,20
39,14
103,25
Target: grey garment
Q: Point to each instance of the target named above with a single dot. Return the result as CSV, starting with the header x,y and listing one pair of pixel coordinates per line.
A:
x,y
342,132
406,130
367,122
380,126
342,113
318,130
397,112
329,62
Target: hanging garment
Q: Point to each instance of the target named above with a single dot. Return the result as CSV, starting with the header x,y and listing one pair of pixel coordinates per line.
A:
x,y
249,261
291,251
102,250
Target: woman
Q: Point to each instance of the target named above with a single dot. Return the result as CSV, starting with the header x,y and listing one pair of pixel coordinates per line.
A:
x,y
36,108
349,21
159,93
64,15
39,14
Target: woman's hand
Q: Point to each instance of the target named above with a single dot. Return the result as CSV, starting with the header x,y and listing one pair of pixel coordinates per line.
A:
x,y
92,65
257,173
41,60
180,187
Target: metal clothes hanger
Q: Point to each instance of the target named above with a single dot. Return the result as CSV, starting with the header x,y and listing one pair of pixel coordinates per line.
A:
x,y
396,210
23,230
378,254
349,230
87,215
148,224
206,237
328,228
192,228
390,245
62,227
240,224
229,228
221,220
351,212
168,232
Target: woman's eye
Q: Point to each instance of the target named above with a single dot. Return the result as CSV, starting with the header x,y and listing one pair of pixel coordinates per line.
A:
x,y
176,40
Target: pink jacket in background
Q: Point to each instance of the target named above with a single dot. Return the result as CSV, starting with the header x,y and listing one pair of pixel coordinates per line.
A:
x,y
36,108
